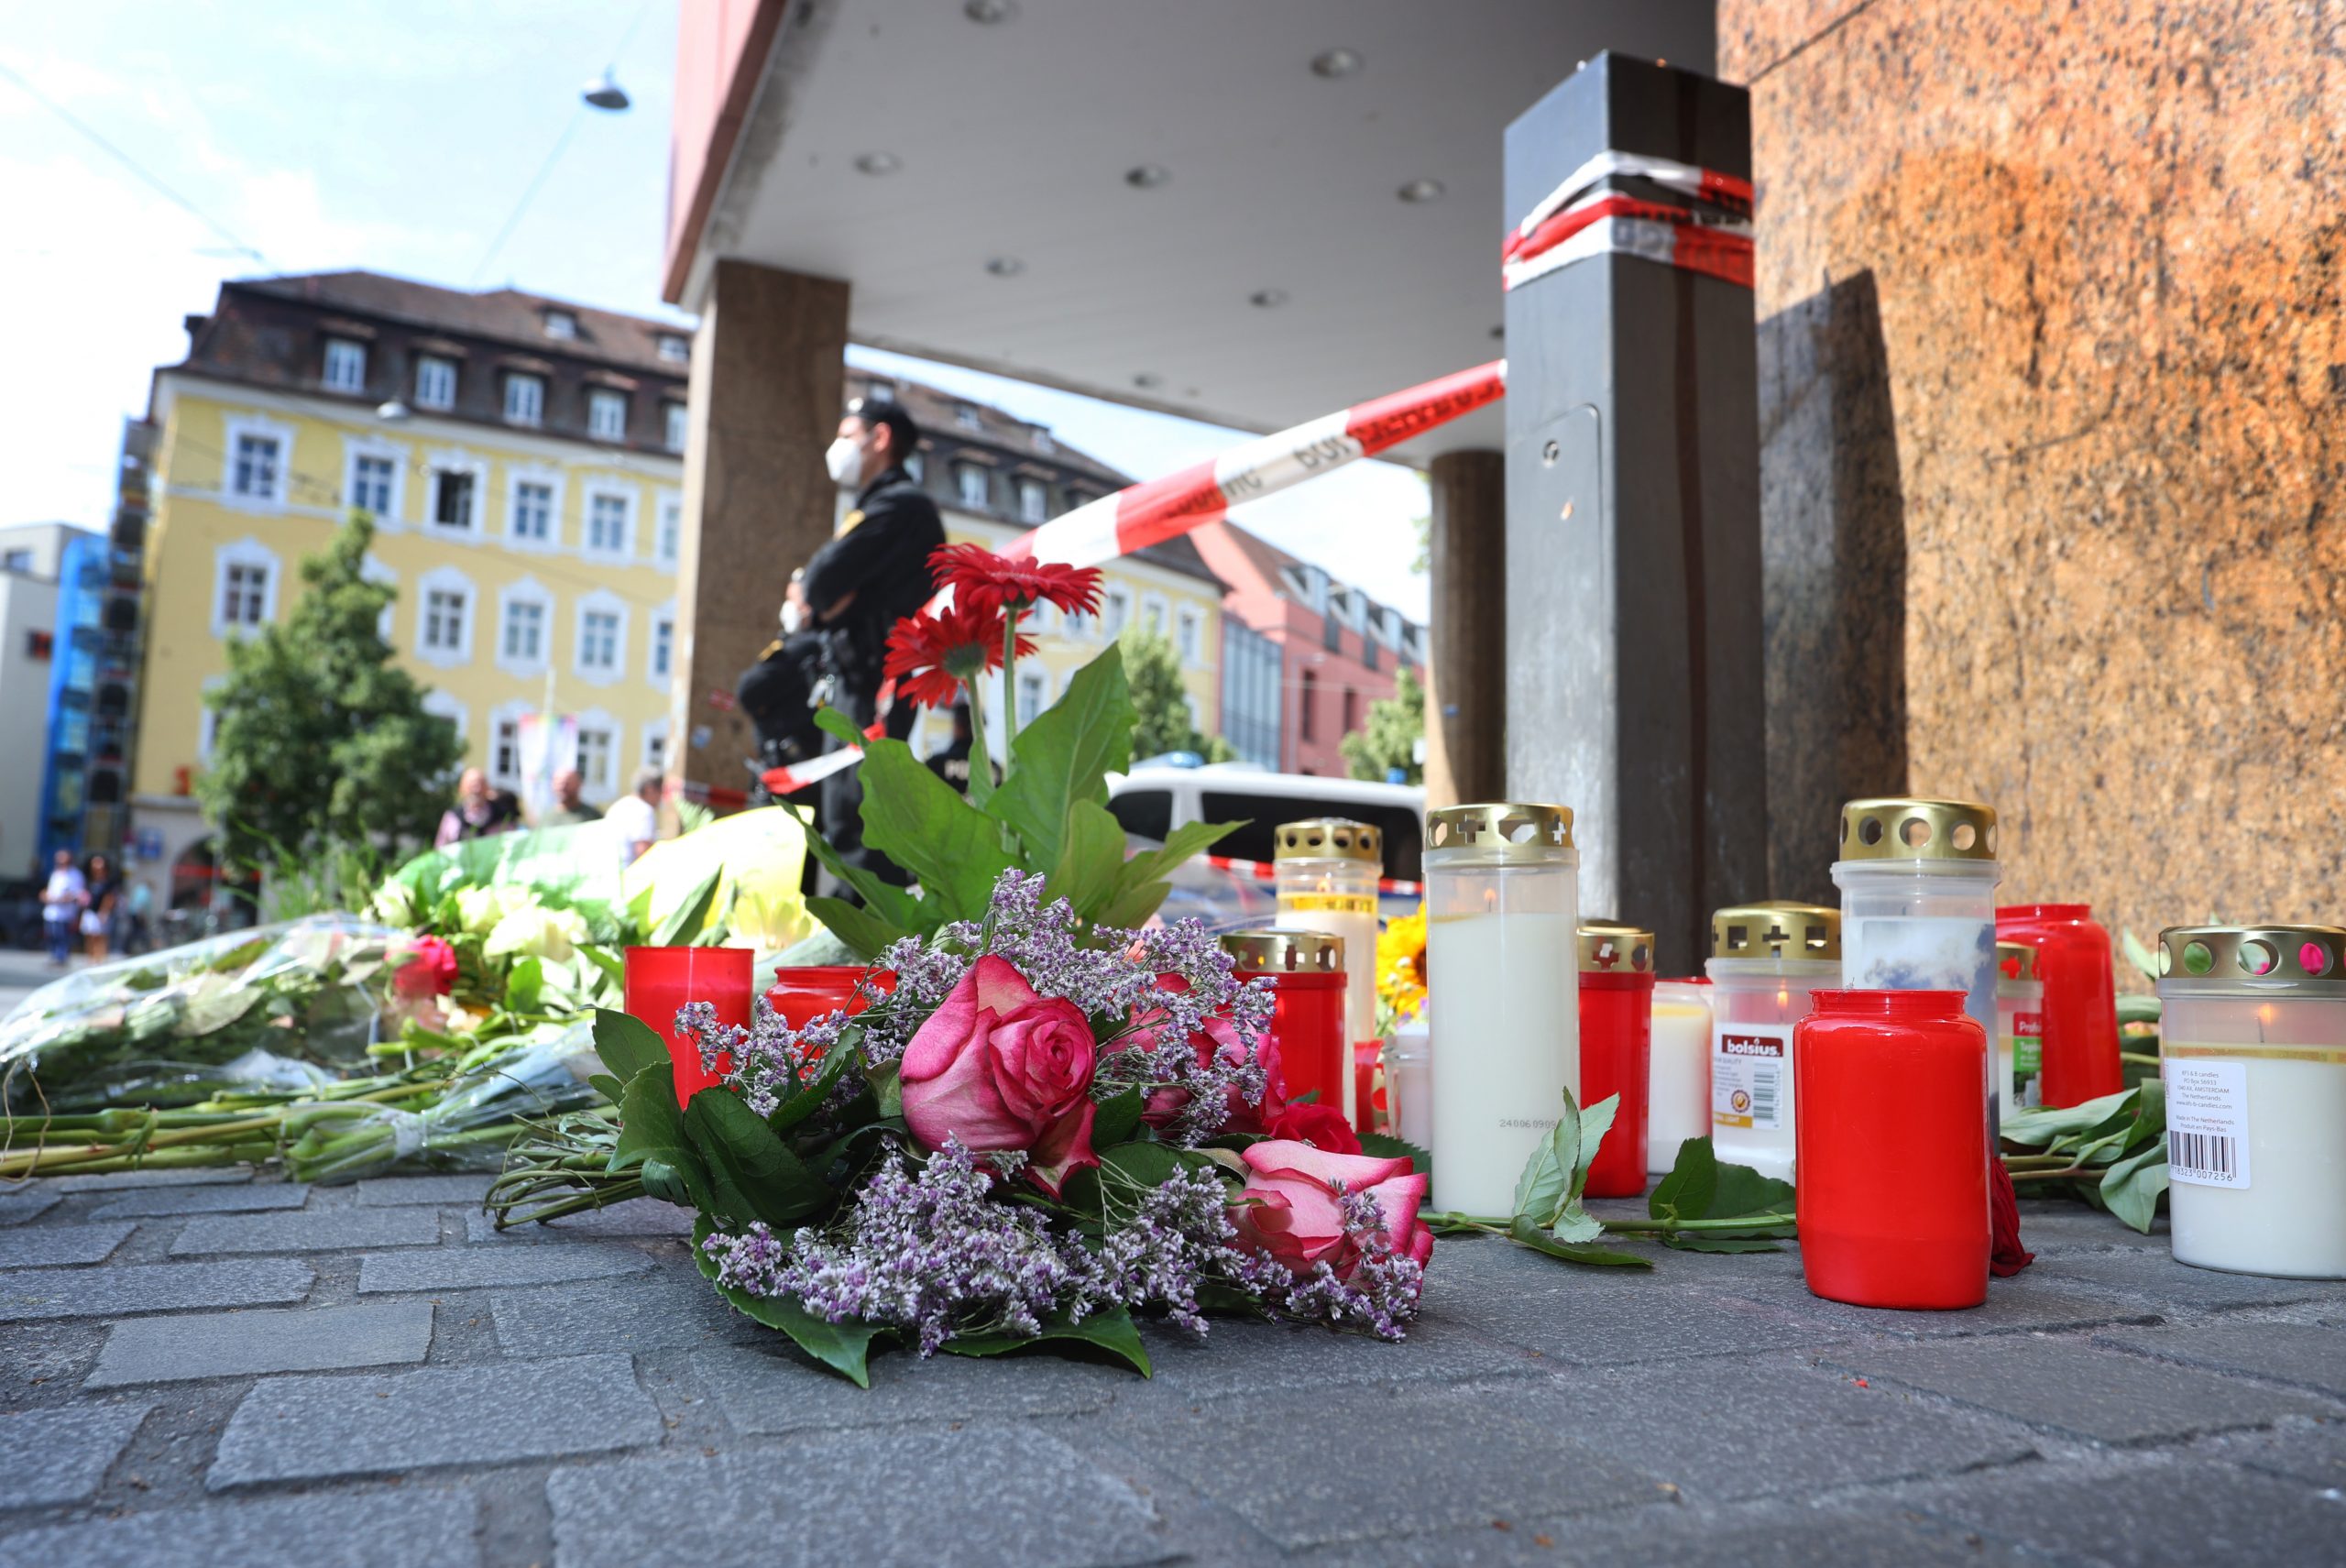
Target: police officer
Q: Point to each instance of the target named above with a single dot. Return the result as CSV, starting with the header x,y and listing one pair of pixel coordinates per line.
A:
x,y
873,573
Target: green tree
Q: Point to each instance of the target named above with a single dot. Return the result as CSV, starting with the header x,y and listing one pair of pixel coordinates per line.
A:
x,y
1395,726
1154,669
323,745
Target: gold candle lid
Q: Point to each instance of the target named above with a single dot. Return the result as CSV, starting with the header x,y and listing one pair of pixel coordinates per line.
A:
x,y
2015,960
2219,953
1903,827
1607,946
1507,829
1266,951
1328,839
1777,928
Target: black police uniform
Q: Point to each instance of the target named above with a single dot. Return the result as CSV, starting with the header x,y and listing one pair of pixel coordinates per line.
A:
x,y
882,559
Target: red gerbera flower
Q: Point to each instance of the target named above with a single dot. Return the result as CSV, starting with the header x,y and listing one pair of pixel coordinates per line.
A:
x,y
932,653
986,581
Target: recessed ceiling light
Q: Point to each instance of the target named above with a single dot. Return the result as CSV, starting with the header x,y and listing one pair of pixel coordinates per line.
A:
x,y
1148,380
1148,176
1005,266
1499,331
1336,62
986,13
878,163
1421,191
1267,298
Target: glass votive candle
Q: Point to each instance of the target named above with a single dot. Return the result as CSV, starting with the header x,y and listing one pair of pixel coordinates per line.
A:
x,y
1678,1079
659,980
1765,960
1892,1197
2019,1027
1616,1048
2080,1010
1502,904
1306,969
1326,871
2252,1053
1408,1080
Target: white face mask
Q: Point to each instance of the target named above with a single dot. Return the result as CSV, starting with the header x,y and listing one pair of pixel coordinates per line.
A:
x,y
844,458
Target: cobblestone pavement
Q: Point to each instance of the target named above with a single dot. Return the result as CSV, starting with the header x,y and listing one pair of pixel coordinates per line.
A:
x,y
214,1369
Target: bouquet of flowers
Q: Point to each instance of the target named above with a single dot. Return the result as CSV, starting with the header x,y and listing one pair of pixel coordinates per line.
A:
x,y
1045,1128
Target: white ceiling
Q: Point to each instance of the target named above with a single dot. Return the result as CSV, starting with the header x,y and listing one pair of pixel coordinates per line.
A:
x,y
1014,139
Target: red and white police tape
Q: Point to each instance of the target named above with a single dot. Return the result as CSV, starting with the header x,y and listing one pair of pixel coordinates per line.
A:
x,y
1157,510
1576,221
1264,870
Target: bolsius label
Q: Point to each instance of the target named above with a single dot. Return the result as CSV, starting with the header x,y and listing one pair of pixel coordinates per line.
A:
x,y
2207,1122
1749,1082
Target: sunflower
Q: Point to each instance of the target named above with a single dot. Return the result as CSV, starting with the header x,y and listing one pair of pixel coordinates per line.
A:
x,y
1401,966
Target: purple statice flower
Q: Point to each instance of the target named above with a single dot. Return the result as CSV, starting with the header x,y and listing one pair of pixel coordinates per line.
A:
x,y
1382,1292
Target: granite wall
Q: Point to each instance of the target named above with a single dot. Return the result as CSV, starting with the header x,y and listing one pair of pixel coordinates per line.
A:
x,y
2053,362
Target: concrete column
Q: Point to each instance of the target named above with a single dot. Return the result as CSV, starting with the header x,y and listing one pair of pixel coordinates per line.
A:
x,y
768,380
1466,667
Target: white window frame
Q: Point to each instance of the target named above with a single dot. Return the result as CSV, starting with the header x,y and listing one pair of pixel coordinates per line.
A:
x,y
1033,499
246,552
348,356
503,714
1039,680
527,412
442,705
456,461
234,429
373,571
561,324
655,729
602,601
207,720
594,720
446,579
599,399
353,448
675,349
527,591
675,423
963,471
1115,611
1163,609
668,526
965,417
515,477
1189,622
663,615
609,489
428,372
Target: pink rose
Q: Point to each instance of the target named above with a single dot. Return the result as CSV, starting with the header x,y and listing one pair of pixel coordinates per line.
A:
x,y
1322,1126
998,1067
425,966
1208,1041
1290,1213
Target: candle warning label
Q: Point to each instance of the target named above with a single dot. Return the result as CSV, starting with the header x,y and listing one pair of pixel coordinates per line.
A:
x,y
1749,1074
2207,1122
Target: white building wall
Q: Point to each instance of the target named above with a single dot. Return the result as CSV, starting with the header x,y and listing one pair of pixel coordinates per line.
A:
x,y
27,605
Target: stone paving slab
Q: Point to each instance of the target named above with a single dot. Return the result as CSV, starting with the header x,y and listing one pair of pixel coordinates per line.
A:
x,y
115,1180
242,1344
2155,1276
1238,1355
226,1199
1017,1496
384,1190
414,1526
669,1310
2161,1514
767,1389
123,1290
472,1268
325,1230
2312,1355
290,1429
2074,1227
637,1217
48,1246
2302,1449
16,1206
2042,1296
59,1456
2069,1384
1603,1318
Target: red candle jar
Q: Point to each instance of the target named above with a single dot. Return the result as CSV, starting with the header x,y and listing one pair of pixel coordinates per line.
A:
x,y
803,992
1306,969
1616,1048
2080,1049
661,980
1891,1146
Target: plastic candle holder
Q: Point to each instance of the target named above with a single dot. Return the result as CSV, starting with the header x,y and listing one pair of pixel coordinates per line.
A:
x,y
2020,1027
1306,969
2080,1008
659,980
1408,1081
1678,1077
1616,1047
803,992
1765,960
1326,869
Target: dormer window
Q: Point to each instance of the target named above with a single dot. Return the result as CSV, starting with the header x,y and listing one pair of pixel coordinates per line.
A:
x,y
1042,439
675,349
966,416
563,324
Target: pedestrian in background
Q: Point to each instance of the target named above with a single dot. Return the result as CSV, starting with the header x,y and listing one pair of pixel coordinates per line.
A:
x,y
567,810
637,816
102,895
479,811
139,904
61,907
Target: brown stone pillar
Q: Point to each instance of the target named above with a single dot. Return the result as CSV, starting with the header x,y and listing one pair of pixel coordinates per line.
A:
x,y
1466,673
768,378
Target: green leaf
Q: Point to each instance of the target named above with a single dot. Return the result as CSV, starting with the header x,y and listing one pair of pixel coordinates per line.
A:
x,y
810,1095
524,985
685,920
1091,860
1712,1241
1595,1122
1111,1330
2141,957
1065,755
1130,908
666,1182
627,1044
885,900
751,1176
1144,1164
831,722
1383,1148
2131,1188
844,1348
919,821
1687,1193
1118,1117
1539,1189
604,1084
652,1129
1523,1231
1743,1190
866,933
1190,839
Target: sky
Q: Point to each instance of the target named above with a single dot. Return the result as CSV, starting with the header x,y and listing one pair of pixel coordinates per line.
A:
x,y
402,137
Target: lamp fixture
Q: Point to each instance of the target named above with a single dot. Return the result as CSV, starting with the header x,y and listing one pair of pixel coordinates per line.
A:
x,y
1267,298
1148,176
1005,266
605,92
1332,63
394,410
1148,380
878,163
1419,191
986,13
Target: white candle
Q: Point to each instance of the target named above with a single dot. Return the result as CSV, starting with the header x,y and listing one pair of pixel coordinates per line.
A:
x,y
1678,1093
1506,1047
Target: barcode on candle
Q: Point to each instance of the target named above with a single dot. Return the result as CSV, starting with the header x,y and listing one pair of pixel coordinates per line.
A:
x,y
2207,1122
1748,1076
2202,1156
